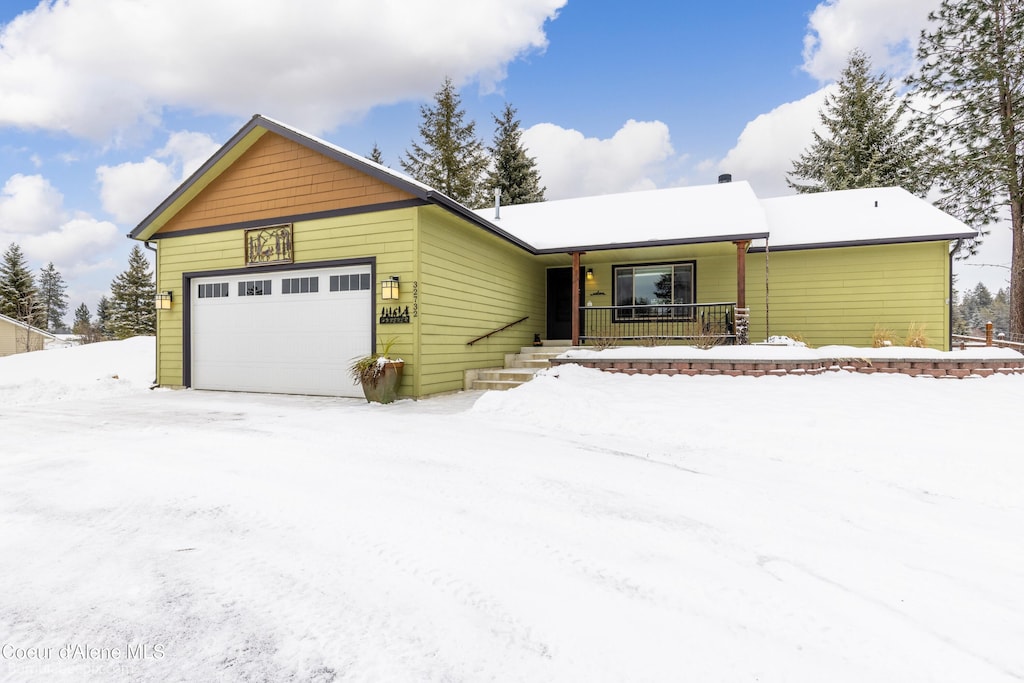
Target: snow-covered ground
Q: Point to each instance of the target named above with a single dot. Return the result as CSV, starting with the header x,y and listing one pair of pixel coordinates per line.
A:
x,y
584,527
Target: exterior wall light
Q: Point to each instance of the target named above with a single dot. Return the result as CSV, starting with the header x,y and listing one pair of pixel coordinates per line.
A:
x,y
164,300
389,289
590,273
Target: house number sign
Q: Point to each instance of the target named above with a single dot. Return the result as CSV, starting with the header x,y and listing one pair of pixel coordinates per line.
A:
x,y
391,315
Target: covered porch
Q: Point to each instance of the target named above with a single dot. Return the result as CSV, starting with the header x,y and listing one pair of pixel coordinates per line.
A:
x,y
692,293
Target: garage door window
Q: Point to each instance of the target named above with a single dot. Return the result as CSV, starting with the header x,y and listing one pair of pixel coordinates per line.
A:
x,y
300,285
215,289
254,288
350,283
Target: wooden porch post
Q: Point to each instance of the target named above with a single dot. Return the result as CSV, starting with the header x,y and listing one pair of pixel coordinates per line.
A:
x,y
575,298
741,273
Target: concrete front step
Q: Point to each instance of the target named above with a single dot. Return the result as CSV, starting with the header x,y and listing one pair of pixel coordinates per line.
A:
x,y
507,374
519,368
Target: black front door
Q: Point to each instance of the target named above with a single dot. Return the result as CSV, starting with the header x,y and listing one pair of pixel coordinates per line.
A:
x,y
560,302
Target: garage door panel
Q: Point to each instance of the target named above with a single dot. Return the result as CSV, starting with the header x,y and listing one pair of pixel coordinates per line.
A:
x,y
299,342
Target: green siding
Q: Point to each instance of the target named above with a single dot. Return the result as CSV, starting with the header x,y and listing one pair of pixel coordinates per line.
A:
x,y
472,283
389,236
838,295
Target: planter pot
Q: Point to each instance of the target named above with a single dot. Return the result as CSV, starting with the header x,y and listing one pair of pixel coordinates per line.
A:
x,y
385,390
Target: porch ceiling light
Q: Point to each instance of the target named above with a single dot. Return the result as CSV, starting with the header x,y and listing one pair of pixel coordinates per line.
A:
x,y
164,300
389,289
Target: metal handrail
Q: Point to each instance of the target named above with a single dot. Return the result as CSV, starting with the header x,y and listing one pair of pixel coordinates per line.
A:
x,y
500,329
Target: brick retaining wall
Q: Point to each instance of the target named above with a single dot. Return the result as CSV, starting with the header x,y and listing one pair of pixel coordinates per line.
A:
x,y
934,367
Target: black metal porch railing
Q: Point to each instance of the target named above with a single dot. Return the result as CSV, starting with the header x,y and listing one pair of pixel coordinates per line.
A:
x,y
714,322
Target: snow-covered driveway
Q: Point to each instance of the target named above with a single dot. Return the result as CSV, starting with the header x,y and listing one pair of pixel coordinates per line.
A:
x,y
585,527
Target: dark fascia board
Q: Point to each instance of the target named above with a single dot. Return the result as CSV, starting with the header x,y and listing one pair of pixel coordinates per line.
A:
x,y
865,243
710,239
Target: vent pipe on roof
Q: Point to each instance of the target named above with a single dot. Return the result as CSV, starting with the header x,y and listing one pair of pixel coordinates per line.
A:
x,y
725,178
497,203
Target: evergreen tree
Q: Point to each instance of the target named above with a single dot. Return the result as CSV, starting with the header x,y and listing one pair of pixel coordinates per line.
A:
x,y
19,298
864,144
451,159
83,328
83,320
513,171
104,319
972,72
132,312
53,298
376,155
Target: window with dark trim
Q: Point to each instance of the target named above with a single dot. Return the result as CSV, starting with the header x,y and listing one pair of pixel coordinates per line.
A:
x,y
213,290
254,288
300,285
655,290
350,283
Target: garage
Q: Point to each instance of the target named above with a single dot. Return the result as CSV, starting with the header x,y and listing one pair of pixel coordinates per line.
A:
x,y
286,332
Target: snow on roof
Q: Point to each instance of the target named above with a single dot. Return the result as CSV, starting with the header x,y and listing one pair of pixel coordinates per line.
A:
x,y
674,215
24,326
727,211
863,216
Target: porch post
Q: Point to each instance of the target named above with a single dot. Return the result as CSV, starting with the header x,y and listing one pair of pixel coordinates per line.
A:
x,y
741,273
742,312
575,298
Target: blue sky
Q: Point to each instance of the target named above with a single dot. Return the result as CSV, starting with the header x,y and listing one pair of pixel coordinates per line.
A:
x,y
105,107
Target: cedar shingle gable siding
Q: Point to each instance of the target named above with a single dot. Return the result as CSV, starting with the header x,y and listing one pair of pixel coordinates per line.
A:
x,y
277,177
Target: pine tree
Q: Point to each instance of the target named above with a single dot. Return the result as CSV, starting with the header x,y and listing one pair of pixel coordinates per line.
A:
x,y
19,298
451,159
864,144
132,312
83,328
104,319
972,72
376,155
513,171
53,298
83,321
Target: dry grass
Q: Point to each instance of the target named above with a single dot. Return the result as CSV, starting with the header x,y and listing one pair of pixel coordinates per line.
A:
x,y
602,340
883,336
706,339
916,336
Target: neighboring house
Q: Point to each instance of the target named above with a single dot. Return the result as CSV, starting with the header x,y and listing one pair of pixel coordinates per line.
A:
x,y
277,252
17,337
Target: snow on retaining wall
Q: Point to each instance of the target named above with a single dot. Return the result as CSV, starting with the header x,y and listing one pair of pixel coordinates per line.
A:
x,y
960,368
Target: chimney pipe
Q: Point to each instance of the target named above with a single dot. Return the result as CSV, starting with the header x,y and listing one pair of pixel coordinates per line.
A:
x,y
725,178
497,203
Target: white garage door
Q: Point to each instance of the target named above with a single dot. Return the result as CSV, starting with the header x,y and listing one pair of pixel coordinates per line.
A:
x,y
288,332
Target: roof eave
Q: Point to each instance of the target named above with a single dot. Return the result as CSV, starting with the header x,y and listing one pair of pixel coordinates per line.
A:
x,y
707,239
866,243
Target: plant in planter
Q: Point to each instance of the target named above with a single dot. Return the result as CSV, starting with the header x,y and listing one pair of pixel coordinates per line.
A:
x,y
379,374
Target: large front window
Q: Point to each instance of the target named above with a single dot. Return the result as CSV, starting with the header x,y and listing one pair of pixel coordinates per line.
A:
x,y
656,290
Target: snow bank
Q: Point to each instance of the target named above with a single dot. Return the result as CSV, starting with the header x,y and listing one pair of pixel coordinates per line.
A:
x,y
90,371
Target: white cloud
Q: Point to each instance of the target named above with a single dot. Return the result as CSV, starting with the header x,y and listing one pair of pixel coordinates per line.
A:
x,y
766,148
32,215
572,165
29,205
101,69
886,31
129,191
72,244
